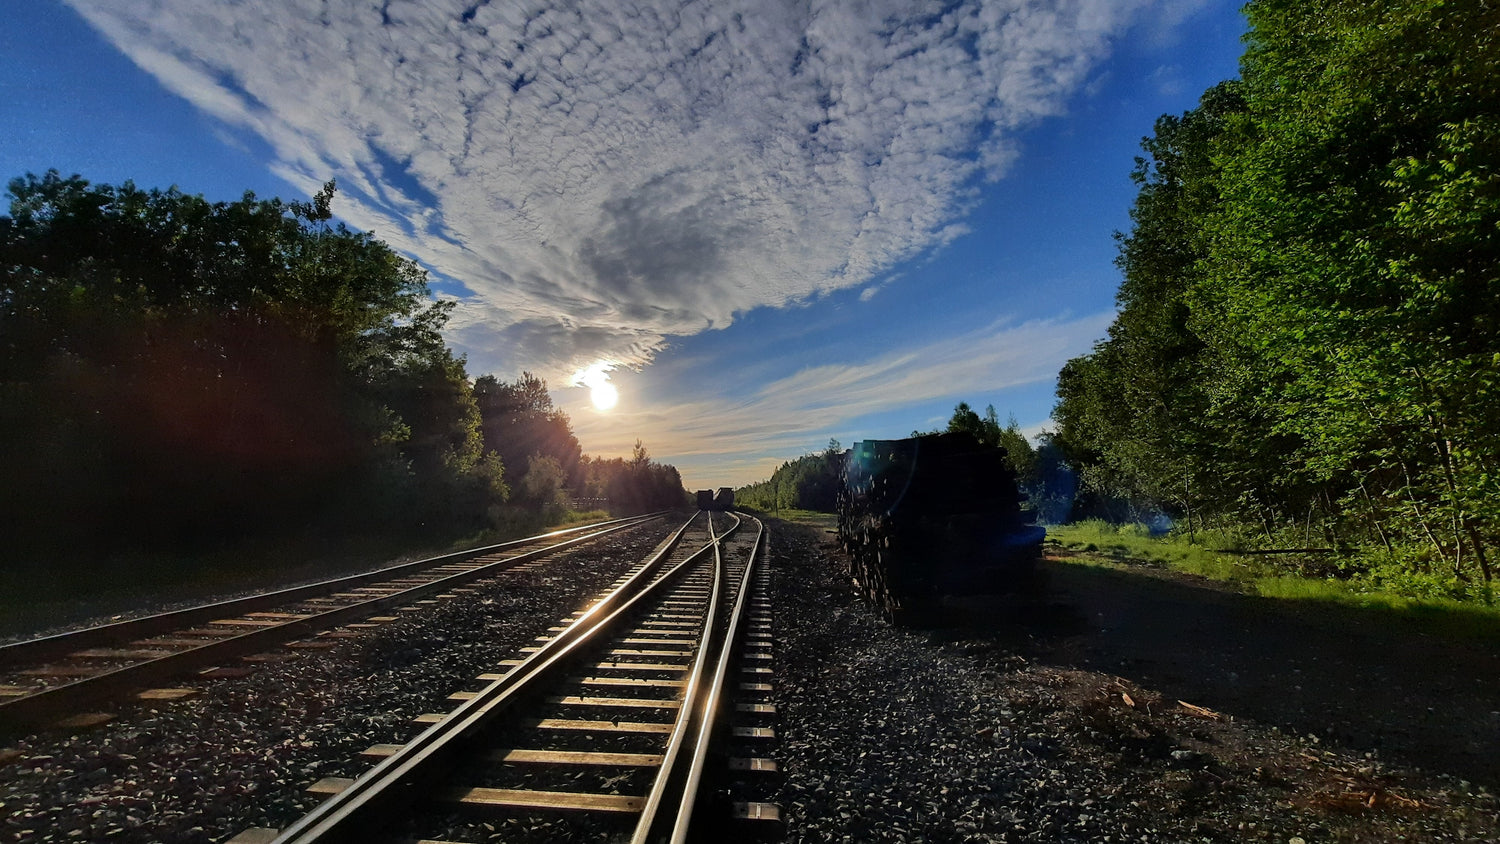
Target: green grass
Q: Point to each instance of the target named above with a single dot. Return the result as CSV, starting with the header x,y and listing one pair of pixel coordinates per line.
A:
x,y
1123,546
1135,543
811,518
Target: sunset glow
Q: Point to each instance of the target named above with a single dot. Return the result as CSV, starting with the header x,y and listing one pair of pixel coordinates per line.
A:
x,y
596,378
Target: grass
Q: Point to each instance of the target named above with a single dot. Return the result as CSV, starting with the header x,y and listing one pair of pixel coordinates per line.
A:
x,y
1134,542
1121,546
516,524
811,518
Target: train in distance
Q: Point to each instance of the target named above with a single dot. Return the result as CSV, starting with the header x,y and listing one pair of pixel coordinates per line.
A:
x,y
709,499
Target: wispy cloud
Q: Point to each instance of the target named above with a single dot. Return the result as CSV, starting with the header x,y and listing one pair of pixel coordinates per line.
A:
x,y
601,175
787,416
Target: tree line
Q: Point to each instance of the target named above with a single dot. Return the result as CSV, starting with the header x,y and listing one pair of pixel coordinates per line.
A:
x,y
178,374
1307,347
1041,470
813,481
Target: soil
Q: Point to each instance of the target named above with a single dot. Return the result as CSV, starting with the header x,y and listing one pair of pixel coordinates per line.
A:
x,y
1323,671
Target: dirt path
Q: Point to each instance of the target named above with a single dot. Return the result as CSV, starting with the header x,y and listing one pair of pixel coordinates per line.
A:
x,y
1329,672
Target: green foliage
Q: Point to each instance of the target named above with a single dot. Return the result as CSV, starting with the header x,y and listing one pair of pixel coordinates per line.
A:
x,y
1134,541
544,480
1040,471
520,421
822,521
637,485
490,473
1411,571
179,371
183,380
811,482
1308,340
1420,604
1135,414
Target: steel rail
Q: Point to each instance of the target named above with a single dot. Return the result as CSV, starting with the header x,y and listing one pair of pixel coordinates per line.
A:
x,y
50,703
708,723
666,785
356,813
61,644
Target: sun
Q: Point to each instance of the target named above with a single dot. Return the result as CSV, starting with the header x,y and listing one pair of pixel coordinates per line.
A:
x,y
596,378
604,395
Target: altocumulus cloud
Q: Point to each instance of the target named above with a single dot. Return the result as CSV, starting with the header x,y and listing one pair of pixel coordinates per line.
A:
x,y
601,175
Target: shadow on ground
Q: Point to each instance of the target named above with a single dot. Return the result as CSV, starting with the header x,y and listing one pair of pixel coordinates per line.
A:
x,y
1336,673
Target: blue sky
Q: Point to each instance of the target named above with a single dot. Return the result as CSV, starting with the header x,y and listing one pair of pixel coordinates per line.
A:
x,y
775,221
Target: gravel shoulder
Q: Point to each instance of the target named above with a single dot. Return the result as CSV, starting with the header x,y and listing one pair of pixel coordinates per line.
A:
x,y
1062,720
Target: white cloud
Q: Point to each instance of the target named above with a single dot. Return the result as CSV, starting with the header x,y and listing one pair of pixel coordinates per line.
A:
x,y
1167,80
731,435
602,174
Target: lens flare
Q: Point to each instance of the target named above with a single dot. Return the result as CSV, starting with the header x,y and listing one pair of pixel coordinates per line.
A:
x,y
596,378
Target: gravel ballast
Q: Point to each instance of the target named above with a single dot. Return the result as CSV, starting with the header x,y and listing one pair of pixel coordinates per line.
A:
x,y
892,734
242,753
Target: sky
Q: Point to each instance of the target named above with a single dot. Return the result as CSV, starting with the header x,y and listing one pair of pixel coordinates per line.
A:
x,y
768,223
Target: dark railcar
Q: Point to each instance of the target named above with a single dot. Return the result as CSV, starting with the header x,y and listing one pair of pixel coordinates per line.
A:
x,y
709,499
724,498
934,516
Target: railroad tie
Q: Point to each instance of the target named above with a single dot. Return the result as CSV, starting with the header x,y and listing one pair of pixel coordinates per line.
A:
x,y
167,694
511,798
754,764
523,756
596,726
757,812
626,702
120,653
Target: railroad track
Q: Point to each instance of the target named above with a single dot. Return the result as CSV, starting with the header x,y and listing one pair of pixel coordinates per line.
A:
x,y
45,681
604,728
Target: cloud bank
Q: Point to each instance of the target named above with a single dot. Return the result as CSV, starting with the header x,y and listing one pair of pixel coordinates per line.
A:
x,y
601,175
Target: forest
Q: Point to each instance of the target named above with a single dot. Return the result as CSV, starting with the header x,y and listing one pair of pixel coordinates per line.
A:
x,y
1306,353
1307,348
179,375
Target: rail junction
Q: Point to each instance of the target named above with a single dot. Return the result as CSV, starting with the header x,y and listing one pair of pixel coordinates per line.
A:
x,y
610,722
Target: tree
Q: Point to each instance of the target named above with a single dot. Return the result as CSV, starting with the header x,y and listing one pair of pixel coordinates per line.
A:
x,y
519,421
176,371
1356,256
1308,338
638,485
1019,455
544,480
811,482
